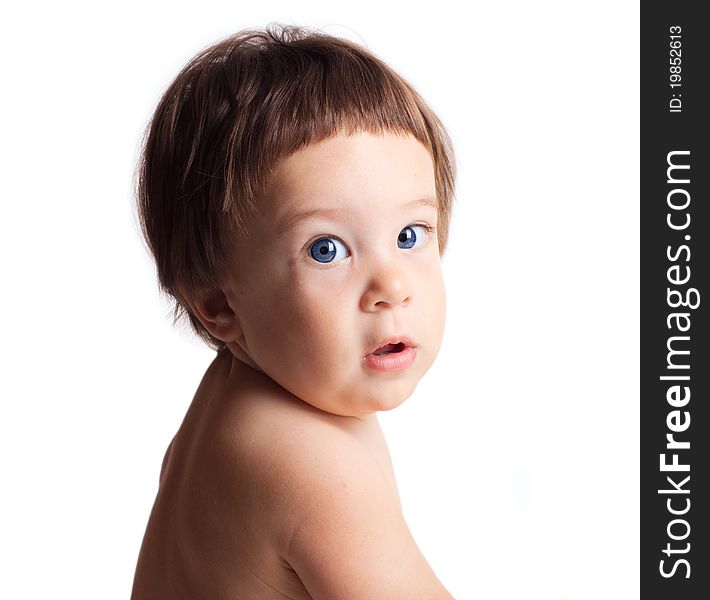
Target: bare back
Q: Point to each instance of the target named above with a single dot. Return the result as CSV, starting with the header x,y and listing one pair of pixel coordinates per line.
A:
x,y
216,528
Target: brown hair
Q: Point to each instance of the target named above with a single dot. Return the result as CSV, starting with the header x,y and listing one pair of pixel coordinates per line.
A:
x,y
237,108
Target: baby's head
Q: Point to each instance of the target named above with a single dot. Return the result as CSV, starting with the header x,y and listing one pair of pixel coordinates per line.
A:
x,y
296,194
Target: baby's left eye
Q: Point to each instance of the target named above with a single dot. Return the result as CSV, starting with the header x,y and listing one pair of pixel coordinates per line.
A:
x,y
412,236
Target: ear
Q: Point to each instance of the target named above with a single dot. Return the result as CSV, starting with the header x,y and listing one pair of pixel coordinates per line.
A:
x,y
214,312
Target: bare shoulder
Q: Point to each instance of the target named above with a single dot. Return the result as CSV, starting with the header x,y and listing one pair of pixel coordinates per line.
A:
x,y
273,444
252,446
341,524
313,489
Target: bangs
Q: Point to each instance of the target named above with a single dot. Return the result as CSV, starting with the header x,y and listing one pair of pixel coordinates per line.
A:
x,y
234,111
303,91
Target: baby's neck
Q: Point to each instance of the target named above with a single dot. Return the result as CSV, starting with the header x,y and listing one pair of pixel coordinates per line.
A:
x,y
242,369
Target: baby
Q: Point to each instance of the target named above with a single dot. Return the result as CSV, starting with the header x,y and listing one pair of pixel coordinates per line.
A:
x,y
295,193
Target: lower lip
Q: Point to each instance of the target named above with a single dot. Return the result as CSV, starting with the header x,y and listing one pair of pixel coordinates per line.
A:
x,y
396,361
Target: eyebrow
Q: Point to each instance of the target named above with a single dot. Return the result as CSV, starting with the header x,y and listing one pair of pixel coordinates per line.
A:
x,y
294,220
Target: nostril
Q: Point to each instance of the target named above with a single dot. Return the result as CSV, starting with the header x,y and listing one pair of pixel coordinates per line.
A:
x,y
405,300
382,295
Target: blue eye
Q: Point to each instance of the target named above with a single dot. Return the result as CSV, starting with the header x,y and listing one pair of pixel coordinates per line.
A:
x,y
412,236
327,250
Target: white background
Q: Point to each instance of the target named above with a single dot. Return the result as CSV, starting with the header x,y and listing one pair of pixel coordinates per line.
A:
x,y
517,458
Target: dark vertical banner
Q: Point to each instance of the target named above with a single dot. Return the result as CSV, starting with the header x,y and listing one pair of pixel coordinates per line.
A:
x,y
675,298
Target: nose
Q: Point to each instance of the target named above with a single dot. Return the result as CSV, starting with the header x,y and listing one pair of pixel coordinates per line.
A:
x,y
388,287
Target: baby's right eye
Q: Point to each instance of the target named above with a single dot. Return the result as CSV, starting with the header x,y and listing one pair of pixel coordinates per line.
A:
x,y
327,249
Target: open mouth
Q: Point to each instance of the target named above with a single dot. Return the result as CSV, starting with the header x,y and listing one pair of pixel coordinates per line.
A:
x,y
397,354
389,349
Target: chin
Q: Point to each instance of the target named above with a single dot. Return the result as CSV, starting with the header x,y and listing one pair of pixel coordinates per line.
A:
x,y
391,404
389,399
380,397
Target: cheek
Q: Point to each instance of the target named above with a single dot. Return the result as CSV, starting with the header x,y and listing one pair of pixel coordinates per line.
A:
x,y
265,307
304,314
431,289
431,283
442,296
317,312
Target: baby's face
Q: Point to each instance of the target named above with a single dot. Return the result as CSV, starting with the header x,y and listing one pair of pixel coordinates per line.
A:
x,y
338,289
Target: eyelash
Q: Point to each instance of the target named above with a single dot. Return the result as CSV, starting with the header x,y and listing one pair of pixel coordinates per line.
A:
x,y
429,229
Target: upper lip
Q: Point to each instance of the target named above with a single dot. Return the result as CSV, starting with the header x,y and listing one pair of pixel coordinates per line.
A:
x,y
392,339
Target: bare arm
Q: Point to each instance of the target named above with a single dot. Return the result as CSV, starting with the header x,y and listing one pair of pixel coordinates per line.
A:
x,y
350,540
